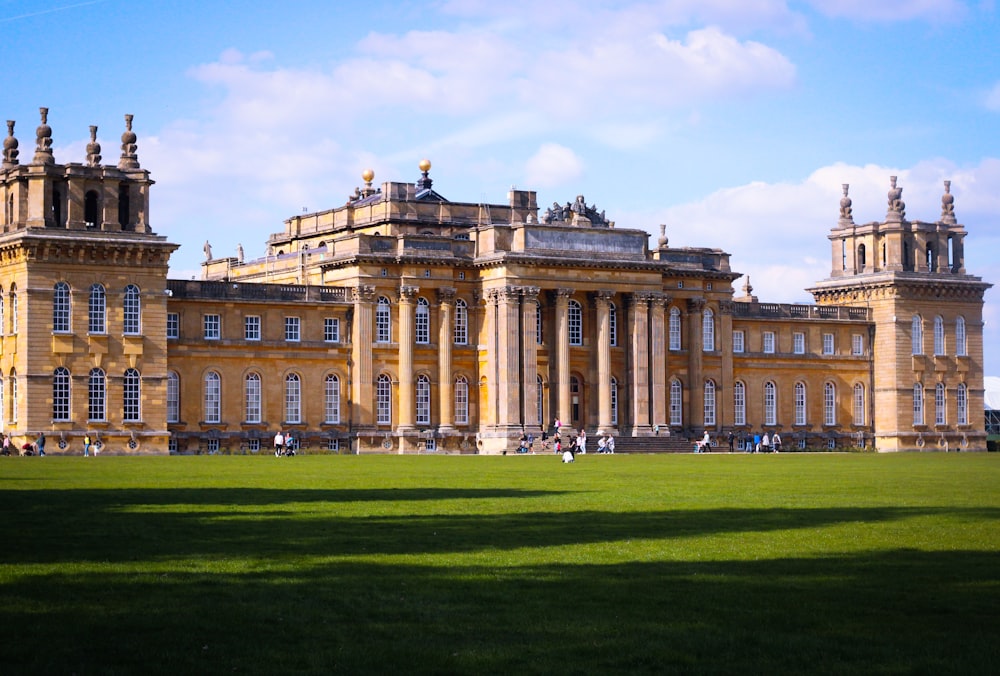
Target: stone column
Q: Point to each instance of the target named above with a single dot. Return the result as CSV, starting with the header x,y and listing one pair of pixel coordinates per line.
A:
x,y
725,407
362,382
508,358
565,413
602,303
696,389
407,306
446,301
639,336
658,358
529,377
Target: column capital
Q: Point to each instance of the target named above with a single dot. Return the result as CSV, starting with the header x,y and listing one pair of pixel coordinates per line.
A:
x,y
561,294
696,304
602,296
363,293
408,293
446,294
727,307
508,294
660,300
530,292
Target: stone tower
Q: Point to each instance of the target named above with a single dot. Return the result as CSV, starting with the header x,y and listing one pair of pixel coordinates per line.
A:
x,y
82,285
927,314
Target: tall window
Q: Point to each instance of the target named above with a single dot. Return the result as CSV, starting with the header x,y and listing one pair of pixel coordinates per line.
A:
x,y
540,387
539,336
961,346
674,329
462,401
918,404
60,394
575,323
212,399
132,311
917,337
738,341
422,324
709,403
614,401
331,399
676,402
13,395
423,400
131,396
739,403
708,330
331,330
574,396
97,310
293,329
859,404
769,342
173,325
293,398
857,344
828,347
800,403
61,308
939,335
799,342
770,404
251,327
461,336
382,320
211,327
383,400
940,415
829,404
13,310
96,400
613,324
3,314
173,397
962,400
252,398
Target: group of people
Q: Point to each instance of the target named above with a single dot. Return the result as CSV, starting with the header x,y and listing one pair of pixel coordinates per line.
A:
x,y
768,443
27,448
285,444
578,444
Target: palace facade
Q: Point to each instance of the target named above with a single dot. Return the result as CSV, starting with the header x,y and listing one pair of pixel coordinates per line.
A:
x,y
405,322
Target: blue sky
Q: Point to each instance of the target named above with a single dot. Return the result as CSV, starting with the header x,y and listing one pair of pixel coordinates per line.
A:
x,y
733,122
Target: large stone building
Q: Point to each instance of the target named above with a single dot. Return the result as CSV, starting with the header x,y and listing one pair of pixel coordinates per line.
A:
x,y
405,322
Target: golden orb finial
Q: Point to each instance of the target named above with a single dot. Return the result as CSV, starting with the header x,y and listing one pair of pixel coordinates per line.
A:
x,y
425,165
367,175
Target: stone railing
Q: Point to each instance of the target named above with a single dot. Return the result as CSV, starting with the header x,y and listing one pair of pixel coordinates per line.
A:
x,y
796,311
179,288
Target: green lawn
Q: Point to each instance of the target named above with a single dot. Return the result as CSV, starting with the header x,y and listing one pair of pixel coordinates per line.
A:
x,y
819,564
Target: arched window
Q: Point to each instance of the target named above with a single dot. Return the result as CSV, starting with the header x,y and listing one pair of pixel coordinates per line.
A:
x,y
97,310
770,404
212,398
423,400
859,404
962,401
60,394
61,308
422,323
961,346
861,256
13,395
918,404
382,320
829,404
675,329
461,400
907,260
574,397
132,311
96,399
252,398
709,403
173,397
575,323
124,215
540,391
917,334
940,412
800,403
931,259
614,401
383,400
13,309
676,402
885,261
91,210
131,396
739,403
293,398
613,325
331,399
708,330
939,335
461,322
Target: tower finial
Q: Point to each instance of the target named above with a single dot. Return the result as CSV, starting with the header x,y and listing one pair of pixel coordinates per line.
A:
x,y
425,182
129,159
43,140
846,212
897,207
948,205
93,148
10,151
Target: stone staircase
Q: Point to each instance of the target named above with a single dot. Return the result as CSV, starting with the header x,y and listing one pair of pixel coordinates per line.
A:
x,y
657,444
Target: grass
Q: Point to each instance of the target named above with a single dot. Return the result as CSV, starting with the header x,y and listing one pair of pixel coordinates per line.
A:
x,y
821,564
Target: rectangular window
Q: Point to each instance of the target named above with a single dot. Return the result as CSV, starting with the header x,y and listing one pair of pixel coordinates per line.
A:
x,y
333,445
331,330
253,445
827,343
738,341
173,325
799,342
251,327
212,446
769,342
211,327
292,334
857,344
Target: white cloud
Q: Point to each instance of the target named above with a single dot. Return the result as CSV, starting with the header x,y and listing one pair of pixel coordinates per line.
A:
x,y
552,165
